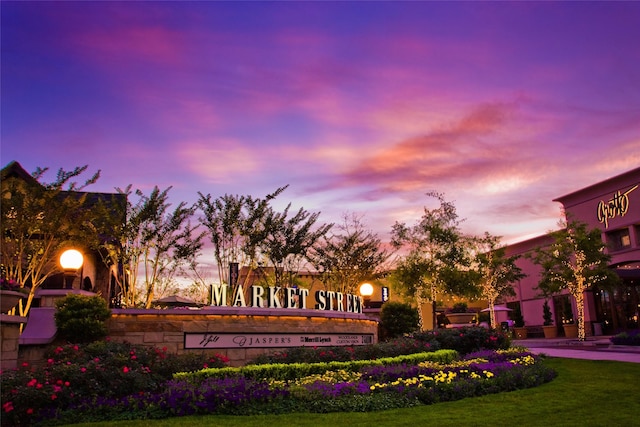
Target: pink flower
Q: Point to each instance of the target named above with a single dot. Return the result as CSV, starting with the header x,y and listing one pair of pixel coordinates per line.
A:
x,y
59,350
32,383
75,347
7,407
50,361
54,397
125,369
83,369
67,383
30,411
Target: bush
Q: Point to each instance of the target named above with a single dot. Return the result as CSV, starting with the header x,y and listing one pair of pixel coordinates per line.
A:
x,y
397,319
99,370
81,318
627,338
391,348
466,340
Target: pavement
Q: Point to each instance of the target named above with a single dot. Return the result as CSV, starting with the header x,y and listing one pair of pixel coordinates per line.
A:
x,y
593,348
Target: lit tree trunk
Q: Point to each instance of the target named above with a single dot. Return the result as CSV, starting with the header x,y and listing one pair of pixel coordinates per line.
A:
x,y
492,314
419,302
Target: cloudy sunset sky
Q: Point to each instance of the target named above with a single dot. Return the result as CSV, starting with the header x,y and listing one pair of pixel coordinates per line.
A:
x,y
360,107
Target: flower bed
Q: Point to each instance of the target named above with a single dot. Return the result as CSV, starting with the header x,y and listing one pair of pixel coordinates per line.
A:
x,y
113,381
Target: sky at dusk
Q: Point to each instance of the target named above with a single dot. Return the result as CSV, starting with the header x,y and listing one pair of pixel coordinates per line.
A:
x,y
361,107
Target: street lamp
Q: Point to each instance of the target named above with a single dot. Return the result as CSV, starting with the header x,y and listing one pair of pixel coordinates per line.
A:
x,y
71,261
366,290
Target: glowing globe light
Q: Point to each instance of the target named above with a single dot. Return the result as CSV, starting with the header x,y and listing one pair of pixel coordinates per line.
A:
x,y
366,290
71,259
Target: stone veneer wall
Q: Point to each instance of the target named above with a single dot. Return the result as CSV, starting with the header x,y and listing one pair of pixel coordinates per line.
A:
x,y
9,337
166,328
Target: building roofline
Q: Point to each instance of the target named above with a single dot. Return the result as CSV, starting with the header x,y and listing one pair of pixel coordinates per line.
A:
x,y
611,180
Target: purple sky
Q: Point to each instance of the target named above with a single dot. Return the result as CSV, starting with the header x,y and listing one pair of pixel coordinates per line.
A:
x,y
361,107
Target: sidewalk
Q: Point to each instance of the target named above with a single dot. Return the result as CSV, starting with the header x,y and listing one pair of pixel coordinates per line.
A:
x,y
593,348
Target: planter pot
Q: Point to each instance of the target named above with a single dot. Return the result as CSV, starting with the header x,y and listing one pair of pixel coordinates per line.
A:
x,y
571,330
520,333
550,331
461,319
9,299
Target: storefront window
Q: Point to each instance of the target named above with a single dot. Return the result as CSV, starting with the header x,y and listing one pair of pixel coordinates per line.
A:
x,y
619,239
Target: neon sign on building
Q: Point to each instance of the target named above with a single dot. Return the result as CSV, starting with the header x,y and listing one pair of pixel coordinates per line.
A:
x,y
618,205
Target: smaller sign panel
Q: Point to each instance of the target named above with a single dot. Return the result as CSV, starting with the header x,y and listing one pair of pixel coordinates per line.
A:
x,y
227,340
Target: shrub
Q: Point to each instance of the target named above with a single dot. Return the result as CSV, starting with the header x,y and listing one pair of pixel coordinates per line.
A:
x,y
627,338
81,318
466,340
397,319
99,370
394,347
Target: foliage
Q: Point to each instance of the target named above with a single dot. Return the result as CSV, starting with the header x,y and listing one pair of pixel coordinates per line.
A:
x,y
547,316
349,258
577,381
438,255
98,371
460,307
398,318
81,318
496,272
40,219
148,240
518,319
291,371
11,285
576,260
288,241
236,226
627,338
391,348
391,386
247,231
466,340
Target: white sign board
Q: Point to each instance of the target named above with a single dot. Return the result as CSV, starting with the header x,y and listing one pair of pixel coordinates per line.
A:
x,y
230,340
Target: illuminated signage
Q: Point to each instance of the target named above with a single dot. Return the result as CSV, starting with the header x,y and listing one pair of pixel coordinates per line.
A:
x,y
267,340
278,297
617,206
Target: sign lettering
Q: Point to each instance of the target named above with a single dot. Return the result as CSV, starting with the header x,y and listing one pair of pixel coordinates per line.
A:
x,y
231,340
617,206
292,298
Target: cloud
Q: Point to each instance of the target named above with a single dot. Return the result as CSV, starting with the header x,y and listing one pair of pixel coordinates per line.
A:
x,y
221,161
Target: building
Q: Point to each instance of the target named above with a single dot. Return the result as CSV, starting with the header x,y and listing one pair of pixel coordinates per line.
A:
x,y
94,275
613,206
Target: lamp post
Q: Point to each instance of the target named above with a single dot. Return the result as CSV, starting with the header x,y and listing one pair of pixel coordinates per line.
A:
x,y
366,290
70,261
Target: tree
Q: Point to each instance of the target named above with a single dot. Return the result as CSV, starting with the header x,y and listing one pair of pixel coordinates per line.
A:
x,y
495,271
438,255
39,220
237,226
147,241
575,260
288,240
349,258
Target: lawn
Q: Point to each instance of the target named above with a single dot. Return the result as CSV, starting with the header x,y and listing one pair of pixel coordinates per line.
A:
x,y
585,393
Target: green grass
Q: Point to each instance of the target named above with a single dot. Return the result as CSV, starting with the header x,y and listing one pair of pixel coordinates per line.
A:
x,y
585,393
